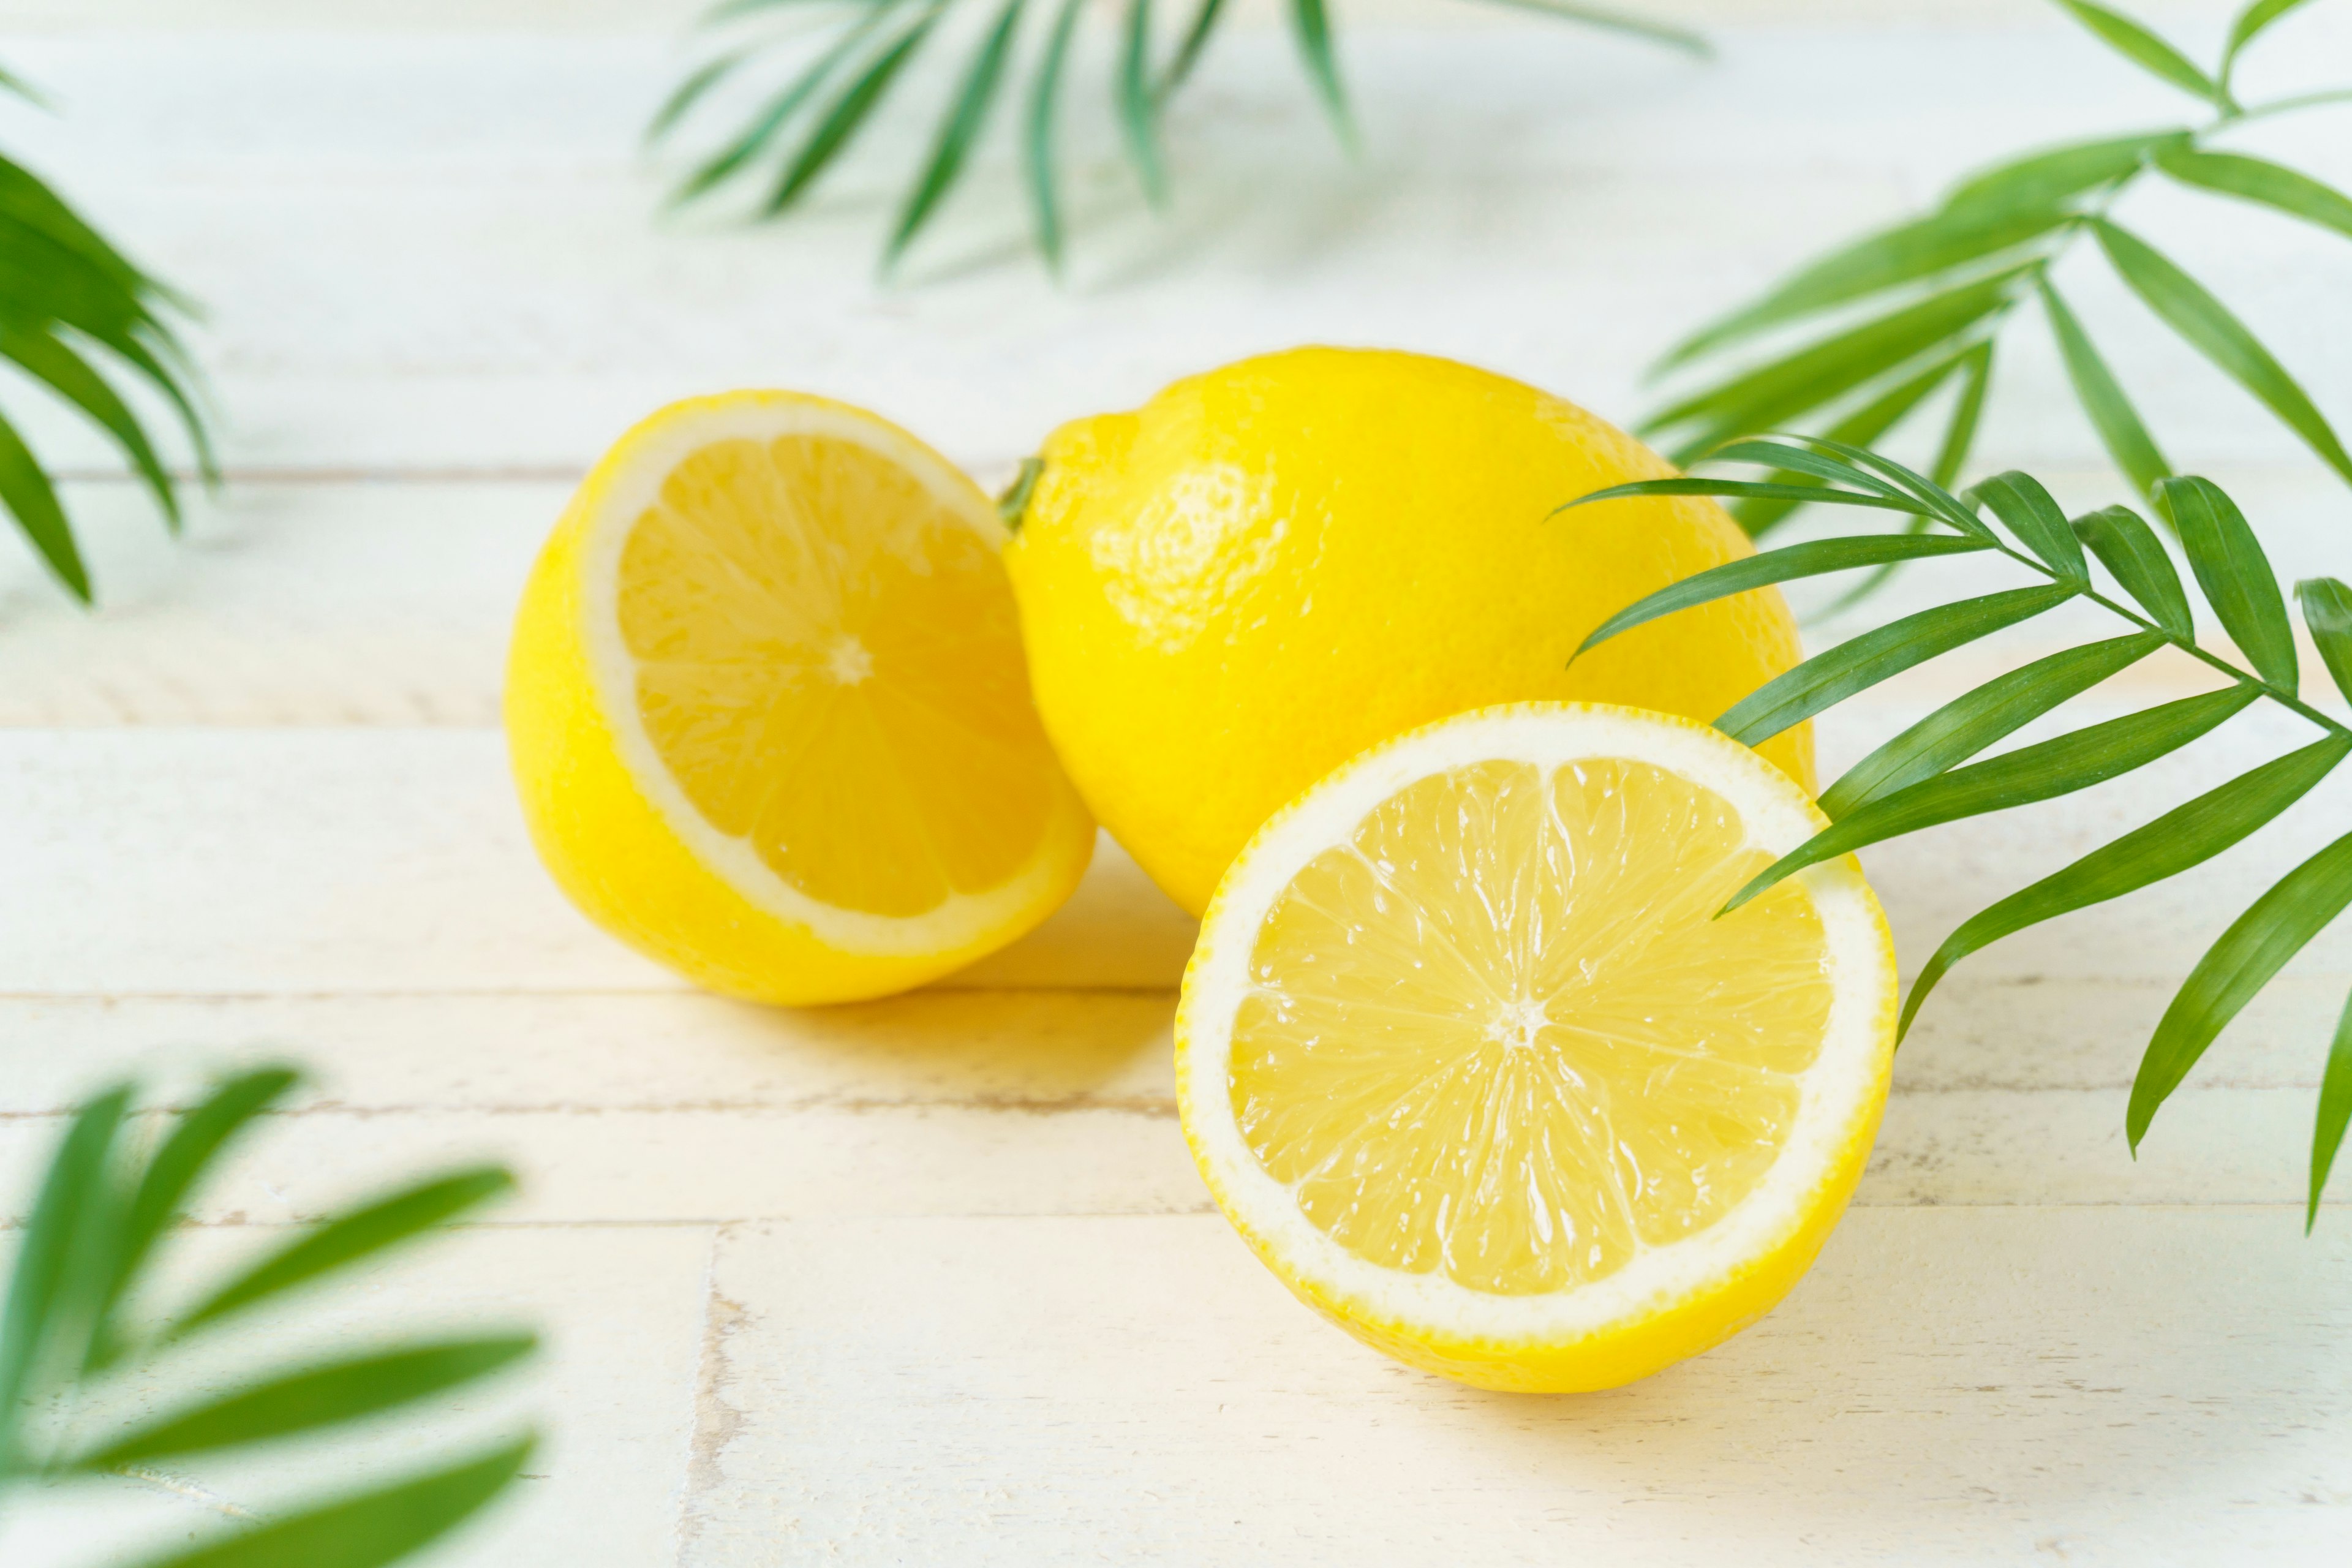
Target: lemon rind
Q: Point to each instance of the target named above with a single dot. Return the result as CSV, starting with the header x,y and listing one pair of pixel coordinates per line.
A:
x,y
626,484
1839,1101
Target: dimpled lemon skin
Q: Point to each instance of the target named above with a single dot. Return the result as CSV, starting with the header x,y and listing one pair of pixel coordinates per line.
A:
x,y
1271,566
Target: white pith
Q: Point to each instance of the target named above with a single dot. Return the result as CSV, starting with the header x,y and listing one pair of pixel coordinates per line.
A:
x,y
645,460
1839,1095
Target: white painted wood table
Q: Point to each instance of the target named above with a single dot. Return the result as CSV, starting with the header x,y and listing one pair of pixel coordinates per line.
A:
x,y
932,1280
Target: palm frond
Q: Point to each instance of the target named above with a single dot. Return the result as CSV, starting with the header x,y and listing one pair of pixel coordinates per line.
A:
x,y
69,301
1931,773
1948,284
81,1326
811,44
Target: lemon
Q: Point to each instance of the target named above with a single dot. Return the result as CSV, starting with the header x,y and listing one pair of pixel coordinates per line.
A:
x,y
768,710
1465,1056
1274,566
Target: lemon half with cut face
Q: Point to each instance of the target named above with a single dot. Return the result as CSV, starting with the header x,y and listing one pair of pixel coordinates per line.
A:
x,y
1468,1059
768,712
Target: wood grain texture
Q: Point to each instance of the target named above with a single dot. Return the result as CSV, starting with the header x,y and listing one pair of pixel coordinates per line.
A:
x,y
932,1280
1947,1386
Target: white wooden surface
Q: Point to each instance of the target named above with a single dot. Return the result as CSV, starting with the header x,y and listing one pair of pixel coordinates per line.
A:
x,y
932,1280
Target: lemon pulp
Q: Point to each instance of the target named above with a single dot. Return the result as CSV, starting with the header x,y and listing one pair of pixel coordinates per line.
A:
x,y
1496,1034
828,662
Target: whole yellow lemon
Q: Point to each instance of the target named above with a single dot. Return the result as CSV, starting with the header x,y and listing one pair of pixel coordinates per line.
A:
x,y
1269,567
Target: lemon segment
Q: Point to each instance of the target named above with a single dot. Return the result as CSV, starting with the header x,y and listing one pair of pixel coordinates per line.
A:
x,y
1467,1056
769,710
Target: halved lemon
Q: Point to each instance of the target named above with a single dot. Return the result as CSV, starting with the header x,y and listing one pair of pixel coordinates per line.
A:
x,y
1466,1058
768,708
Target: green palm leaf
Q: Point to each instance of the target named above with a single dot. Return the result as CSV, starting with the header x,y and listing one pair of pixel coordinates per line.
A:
x,y
1038,136
958,130
1310,25
2327,611
2256,947
1772,394
2207,325
2184,838
1139,107
2335,1112
2261,181
2130,551
372,1528
2112,415
2045,771
849,111
349,1237
65,1353
1785,565
2235,575
1828,678
2143,48
1966,725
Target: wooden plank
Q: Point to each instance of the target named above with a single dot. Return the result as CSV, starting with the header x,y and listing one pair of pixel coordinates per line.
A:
x,y
163,862
487,202
352,603
1030,1051
851,1157
1979,1386
622,1311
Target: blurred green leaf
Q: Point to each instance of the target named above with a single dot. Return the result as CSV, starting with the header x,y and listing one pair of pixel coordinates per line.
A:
x,y
2327,611
1783,565
2056,174
72,1221
761,134
2144,49
1828,678
1038,136
2130,549
849,111
1967,409
2335,1111
1312,28
349,1238
2183,837
1138,109
66,372
2235,574
1772,394
2234,971
32,500
1614,21
958,130
2261,181
1205,15
1905,254
1966,725
371,1529
691,91
2248,25
352,1388
2095,388
2214,331
2043,771
195,1143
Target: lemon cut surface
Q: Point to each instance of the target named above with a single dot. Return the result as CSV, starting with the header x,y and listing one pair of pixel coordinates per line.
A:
x,y
770,712
1467,1058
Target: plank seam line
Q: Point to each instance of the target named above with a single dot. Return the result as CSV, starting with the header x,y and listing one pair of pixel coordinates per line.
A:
x,y
458,994
1203,1211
